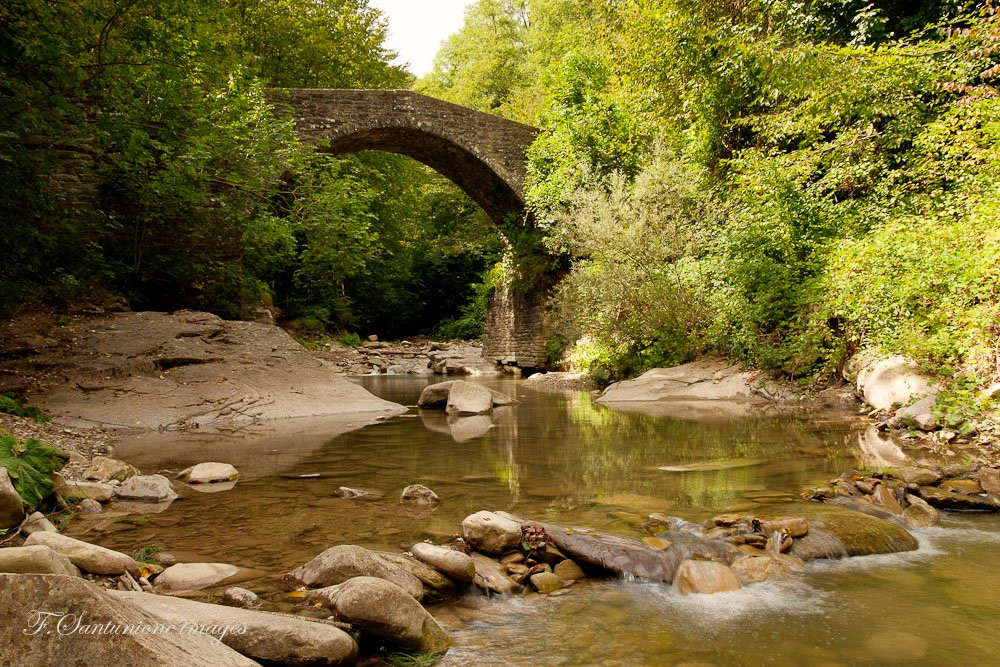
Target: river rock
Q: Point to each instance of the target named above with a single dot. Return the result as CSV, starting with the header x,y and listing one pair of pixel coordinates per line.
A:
x,y
858,534
194,576
491,533
105,469
760,568
919,513
455,564
890,381
819,543
89,506
36,559
209,473
431,578
966,486
546,582
794,526
920,476
419,495
949,500
435,395
11,505
270,638
630,558
346,561
239,597
99,491
989,479
884,497
37,523
88,557
385,611
468,398
490,577
569,571
920,414
702,576
146,489
25,643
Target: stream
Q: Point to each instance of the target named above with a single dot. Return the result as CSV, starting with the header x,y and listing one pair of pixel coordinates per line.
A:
x,y
564,459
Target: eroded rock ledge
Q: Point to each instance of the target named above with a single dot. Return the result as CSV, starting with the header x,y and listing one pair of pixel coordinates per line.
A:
x,y
180,370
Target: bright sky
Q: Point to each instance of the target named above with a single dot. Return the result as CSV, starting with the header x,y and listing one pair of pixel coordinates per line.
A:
x,y
417,28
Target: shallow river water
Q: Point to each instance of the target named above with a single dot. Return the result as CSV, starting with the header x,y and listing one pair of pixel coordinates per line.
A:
x,y
565,459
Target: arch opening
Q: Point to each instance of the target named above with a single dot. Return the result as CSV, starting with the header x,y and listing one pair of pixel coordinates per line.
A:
x,y
470,173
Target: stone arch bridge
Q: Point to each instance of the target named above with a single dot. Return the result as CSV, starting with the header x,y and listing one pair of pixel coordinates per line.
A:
x,y
481,153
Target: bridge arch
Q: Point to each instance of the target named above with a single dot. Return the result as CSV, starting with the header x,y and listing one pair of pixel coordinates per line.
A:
x,y
481,153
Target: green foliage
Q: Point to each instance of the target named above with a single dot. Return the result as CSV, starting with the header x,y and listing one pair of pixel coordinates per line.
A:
x,y
13,405
146,554
351,339
403,659
30,465
634,287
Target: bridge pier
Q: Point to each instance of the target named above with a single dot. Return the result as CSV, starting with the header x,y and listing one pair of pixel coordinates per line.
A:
x,y
518,326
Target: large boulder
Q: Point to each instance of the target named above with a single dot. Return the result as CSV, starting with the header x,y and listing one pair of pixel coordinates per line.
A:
x,y
455,564
36,559
835,532
385,611
491,533
890,381
33,638
105,469
703,576
435,395
88,557
209,473
270,638
705,379
346,561
468,398
11,505
146,489
194,576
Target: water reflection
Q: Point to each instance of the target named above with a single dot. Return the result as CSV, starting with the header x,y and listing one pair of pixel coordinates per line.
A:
x,y
573,462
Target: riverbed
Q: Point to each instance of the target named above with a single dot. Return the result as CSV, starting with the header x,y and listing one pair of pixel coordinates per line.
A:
x,y
565,459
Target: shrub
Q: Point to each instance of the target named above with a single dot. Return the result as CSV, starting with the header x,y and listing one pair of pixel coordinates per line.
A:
x,y
30,465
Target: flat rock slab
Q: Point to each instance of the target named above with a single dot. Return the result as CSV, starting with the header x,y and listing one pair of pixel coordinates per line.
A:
x,y
706,379
26,642
186,368
273,638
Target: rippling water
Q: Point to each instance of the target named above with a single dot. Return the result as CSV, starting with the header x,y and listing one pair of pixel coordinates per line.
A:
x,y
567,460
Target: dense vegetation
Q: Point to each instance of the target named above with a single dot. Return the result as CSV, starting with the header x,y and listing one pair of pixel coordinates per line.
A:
x,y
783,182
206,199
